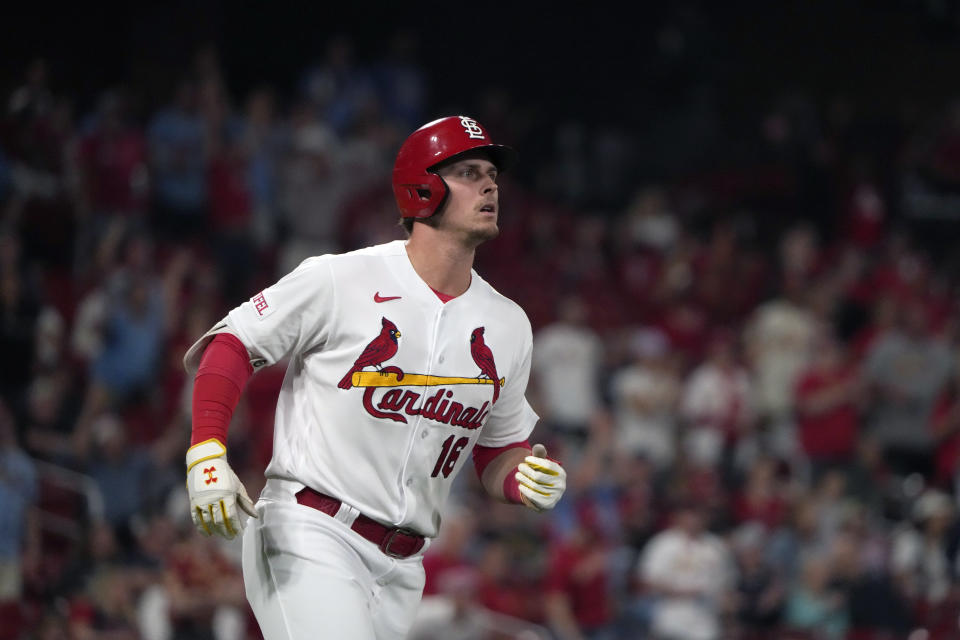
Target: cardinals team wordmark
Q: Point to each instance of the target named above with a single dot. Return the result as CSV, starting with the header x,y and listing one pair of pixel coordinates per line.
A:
x,y
397,403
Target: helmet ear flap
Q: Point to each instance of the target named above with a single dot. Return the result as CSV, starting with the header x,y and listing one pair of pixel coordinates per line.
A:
x,y
419,195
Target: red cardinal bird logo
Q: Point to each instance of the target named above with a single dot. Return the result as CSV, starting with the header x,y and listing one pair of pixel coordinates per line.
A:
x,y
484,358
380,349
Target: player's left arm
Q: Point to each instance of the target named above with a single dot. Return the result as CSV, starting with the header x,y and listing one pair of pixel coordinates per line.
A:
x,y
520,474
509,468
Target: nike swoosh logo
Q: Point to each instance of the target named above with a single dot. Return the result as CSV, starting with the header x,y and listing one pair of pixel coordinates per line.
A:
x,y
378,298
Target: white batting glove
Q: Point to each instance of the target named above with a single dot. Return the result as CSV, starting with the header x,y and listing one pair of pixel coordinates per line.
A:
x,y
215,491
542,481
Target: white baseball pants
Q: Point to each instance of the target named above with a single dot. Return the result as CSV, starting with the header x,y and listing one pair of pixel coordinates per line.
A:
x,y
308,575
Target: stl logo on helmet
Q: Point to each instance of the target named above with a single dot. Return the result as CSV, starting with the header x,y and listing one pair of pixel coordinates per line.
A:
x,y
472,128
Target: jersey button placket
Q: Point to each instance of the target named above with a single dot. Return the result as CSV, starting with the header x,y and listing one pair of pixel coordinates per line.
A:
x,y
411,446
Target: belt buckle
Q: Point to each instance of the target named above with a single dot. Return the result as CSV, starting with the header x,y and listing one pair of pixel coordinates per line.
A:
x,y
388,540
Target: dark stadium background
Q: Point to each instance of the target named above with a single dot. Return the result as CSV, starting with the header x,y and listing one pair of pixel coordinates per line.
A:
x,y
804,155
607,59
649,69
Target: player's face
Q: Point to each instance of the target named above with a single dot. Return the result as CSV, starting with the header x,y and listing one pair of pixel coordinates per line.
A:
x,y
473,203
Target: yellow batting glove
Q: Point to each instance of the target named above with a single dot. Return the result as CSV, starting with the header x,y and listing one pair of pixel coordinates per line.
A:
x,y
215,491
542,480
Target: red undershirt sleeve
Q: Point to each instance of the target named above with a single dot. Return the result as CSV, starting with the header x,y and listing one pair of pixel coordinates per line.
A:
x,y
483,456
223,373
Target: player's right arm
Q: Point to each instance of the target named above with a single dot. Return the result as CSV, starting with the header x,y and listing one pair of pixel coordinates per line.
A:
x,y
284,319
215,492
288,317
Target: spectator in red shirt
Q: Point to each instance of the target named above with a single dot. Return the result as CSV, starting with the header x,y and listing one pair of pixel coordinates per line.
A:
x,y
578,578
762,499
201,583
449,553
945,422
827,396
112,160
502,588
865,211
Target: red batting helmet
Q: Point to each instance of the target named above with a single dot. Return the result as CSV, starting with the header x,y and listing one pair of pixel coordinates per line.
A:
x,y
419,191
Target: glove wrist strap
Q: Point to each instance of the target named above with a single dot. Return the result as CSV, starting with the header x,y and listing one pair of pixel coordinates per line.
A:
x,y
205,450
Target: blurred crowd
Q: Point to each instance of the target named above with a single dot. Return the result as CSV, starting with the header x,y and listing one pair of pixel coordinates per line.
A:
x,y
750,371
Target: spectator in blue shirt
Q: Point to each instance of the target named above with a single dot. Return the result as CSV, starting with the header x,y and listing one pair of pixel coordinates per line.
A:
x,y
178,157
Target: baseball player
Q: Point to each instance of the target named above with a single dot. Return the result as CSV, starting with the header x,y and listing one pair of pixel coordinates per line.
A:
x,y
402,363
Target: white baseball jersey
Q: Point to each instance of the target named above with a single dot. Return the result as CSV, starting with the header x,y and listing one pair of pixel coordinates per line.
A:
x,y
388,389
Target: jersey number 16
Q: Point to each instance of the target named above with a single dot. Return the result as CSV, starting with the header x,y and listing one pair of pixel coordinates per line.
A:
x,y
448,456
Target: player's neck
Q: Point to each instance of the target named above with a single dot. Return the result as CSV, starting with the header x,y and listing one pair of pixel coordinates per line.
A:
x,y
440,262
